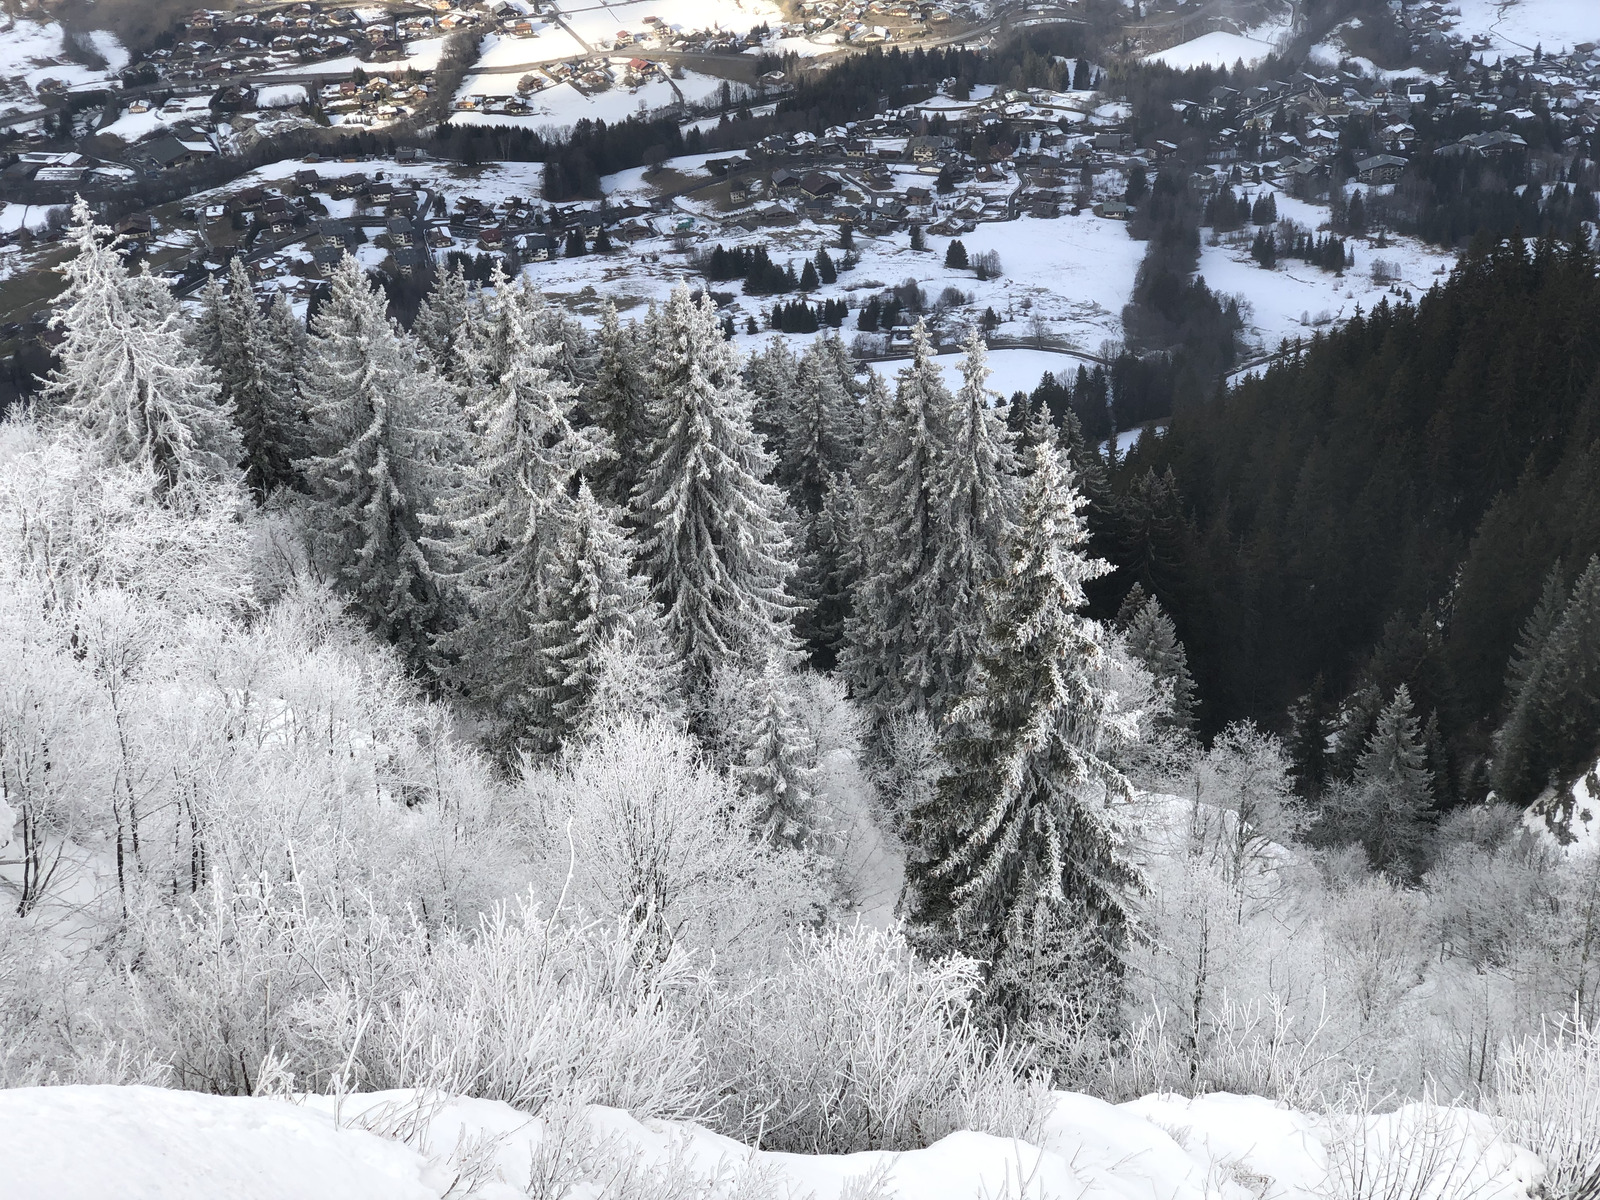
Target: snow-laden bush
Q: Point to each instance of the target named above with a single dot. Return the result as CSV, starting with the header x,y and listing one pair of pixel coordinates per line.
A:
x,y
1548,1099
854,1043
529,1009
638,826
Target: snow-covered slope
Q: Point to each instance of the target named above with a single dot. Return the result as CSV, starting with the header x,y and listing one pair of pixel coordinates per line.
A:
x,y
1571,818
84,1143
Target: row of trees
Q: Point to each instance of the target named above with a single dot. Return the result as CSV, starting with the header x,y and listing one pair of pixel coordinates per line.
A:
x,y
545,523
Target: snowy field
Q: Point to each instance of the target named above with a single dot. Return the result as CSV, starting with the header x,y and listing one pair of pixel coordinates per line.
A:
x,y
1224,49
1297,298
420,56
1517,26
563,104
1011,370
136,1143
33,51
599,23
131,127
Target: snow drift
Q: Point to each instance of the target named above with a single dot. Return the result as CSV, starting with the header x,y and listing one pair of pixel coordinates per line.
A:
x,y
87,1142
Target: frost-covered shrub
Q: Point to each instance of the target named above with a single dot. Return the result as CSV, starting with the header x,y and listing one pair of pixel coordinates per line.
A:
x,y
1548,1100
529,1008
854,1043
638,826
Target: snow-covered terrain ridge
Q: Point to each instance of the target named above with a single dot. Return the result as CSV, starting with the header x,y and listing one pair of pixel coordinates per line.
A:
x,y
84,1143
1570,817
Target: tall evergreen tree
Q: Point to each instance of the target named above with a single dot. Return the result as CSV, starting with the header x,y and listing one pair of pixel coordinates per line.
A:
x,y
820,435
1024,827
1553,732
257,378
617,405
127,377
714,548
1152,640
777,766
772,375
508,529
1536,631
376,437
974,479
827,572
1387,805
441,322
594,602
893,634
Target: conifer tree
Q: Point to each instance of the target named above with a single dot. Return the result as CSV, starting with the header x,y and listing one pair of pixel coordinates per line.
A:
x,y
714,549
974,480
441,322
1025,825
508,529
826,575
553,325
617,406
1536,631
820,434
1387,805
777,767
1152,640
1556,721
376,439
893,633
256,376
772,375
594,602
127,377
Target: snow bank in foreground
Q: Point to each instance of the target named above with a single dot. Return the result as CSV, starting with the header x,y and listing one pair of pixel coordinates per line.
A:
x,y
83,1143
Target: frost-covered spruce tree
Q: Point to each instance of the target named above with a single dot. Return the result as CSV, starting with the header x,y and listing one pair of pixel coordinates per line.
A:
x,y
822,433
714,547
374,468
553,325
1025,822
894,634
508,528
772,375
826,575
1386,809
257,378
593,604
127,376
441,322
779,761
974,480
1152,640
618,405
1550,736
817,449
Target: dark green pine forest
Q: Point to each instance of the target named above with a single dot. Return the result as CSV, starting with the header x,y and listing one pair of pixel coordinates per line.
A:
x,y
1413,499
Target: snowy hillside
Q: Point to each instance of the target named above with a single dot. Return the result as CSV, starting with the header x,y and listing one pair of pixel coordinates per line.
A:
x,y
80,1143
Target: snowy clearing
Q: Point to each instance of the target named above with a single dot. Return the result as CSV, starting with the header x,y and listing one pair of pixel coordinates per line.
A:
x,y
1517,26
1296,298
139,1143
1224,49
598,23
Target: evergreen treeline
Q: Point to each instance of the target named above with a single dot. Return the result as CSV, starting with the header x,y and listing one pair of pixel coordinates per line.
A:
x,y
1383,508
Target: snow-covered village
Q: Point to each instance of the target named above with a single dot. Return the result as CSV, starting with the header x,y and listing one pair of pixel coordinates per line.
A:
x,y
800,600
